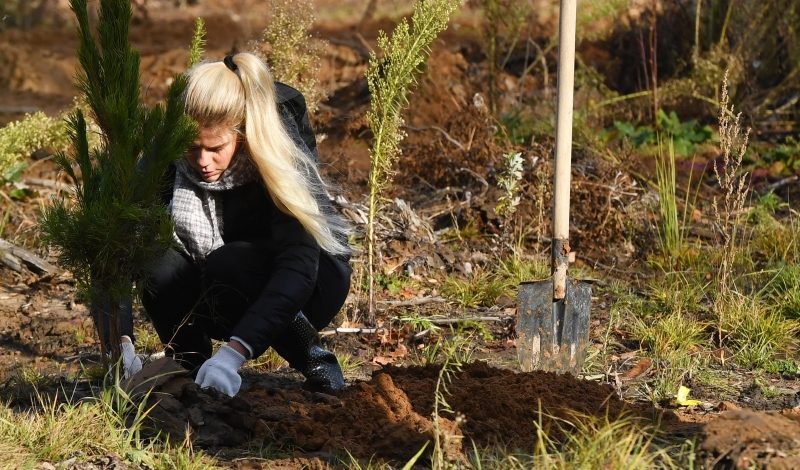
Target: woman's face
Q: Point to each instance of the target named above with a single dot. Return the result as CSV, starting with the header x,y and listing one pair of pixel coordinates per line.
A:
x,y
212,151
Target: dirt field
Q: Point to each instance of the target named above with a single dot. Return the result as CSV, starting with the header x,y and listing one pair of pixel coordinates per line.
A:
x,y
449,153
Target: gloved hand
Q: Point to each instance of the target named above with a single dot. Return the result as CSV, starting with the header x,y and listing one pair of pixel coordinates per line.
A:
x,y
221,372
131,363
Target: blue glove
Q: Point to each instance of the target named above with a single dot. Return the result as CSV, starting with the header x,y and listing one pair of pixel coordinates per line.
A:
x,y
131,363
221,372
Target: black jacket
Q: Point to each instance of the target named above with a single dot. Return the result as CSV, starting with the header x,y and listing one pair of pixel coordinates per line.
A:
x,y
250,214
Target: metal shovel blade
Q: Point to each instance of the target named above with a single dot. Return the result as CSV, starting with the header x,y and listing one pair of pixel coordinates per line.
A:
x,y
553,335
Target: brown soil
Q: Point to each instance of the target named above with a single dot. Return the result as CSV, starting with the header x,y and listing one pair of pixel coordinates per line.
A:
x,y
388,416
745,439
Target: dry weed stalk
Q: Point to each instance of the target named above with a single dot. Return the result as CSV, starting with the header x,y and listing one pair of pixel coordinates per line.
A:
x,y
734,185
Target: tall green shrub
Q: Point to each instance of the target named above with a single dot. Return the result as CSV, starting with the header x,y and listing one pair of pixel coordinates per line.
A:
x,y
115,223
390,79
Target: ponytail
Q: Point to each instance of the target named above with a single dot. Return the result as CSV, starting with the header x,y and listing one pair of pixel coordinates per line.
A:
x,y
240,94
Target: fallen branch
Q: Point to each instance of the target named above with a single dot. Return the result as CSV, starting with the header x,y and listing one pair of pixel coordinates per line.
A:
x,y
452,321
779,184
441,131
15,258
412,302
367,331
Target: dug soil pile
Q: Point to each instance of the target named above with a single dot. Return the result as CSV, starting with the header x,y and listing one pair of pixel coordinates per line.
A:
x,y
388,417
746,439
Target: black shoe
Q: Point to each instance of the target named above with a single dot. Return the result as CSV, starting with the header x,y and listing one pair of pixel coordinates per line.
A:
x,y
302,348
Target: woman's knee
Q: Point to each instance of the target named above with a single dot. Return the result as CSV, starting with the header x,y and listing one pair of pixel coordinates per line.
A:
x,y
170,289
170,272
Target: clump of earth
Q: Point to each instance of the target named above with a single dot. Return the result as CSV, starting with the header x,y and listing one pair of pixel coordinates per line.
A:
x,y
744,439
390,416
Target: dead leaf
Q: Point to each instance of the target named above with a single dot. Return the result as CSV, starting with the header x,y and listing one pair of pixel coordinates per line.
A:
x,y
382,360
640,368
400,352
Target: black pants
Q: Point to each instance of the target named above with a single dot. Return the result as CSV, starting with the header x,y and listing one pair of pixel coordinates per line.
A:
x,y
189,305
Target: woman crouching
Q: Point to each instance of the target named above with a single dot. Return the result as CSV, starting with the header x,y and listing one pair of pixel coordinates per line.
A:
x,y
261,259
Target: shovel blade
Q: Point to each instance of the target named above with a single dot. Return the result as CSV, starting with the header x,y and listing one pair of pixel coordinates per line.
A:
x,y
553,335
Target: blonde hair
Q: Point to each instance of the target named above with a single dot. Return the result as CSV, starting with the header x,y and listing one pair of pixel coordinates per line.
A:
x,y
245,101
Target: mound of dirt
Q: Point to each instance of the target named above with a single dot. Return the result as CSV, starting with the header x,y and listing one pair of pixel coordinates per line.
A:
x,y
748,439
388,416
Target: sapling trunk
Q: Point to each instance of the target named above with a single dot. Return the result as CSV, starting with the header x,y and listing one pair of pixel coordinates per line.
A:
x,y
101,327
113,332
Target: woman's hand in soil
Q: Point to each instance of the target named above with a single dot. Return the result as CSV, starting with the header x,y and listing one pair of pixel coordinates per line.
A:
x,y
221,372
131,364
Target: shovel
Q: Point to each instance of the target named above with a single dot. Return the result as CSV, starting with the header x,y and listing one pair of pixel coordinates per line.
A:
x,y
553,314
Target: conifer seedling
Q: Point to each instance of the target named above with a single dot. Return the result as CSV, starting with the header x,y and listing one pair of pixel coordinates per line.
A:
x,y
115,224
390,79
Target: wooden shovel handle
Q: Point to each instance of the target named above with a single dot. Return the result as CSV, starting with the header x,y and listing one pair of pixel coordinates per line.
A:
x,y
566,84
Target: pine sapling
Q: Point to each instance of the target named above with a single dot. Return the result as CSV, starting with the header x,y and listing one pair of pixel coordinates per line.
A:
x,y
115,223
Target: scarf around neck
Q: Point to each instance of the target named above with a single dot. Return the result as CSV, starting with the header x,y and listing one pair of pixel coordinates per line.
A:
x,y
196,205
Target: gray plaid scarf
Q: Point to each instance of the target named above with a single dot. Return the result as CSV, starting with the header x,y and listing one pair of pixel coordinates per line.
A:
x,y
196,205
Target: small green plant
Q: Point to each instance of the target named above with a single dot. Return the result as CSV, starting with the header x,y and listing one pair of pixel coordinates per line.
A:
x,y
515,269
783,158
419,322
675,332
270,360
685,135
481,289
784,367
458,347
198,42
783,291
290,50
20,138
509,183
147,340
350,364
390,78
457,352
675,341
756,335
672,230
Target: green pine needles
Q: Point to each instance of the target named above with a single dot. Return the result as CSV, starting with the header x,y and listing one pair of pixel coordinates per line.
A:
x,y
390,79
115,223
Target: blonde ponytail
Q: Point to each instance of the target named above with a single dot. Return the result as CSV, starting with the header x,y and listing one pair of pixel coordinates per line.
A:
x,y
245,101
